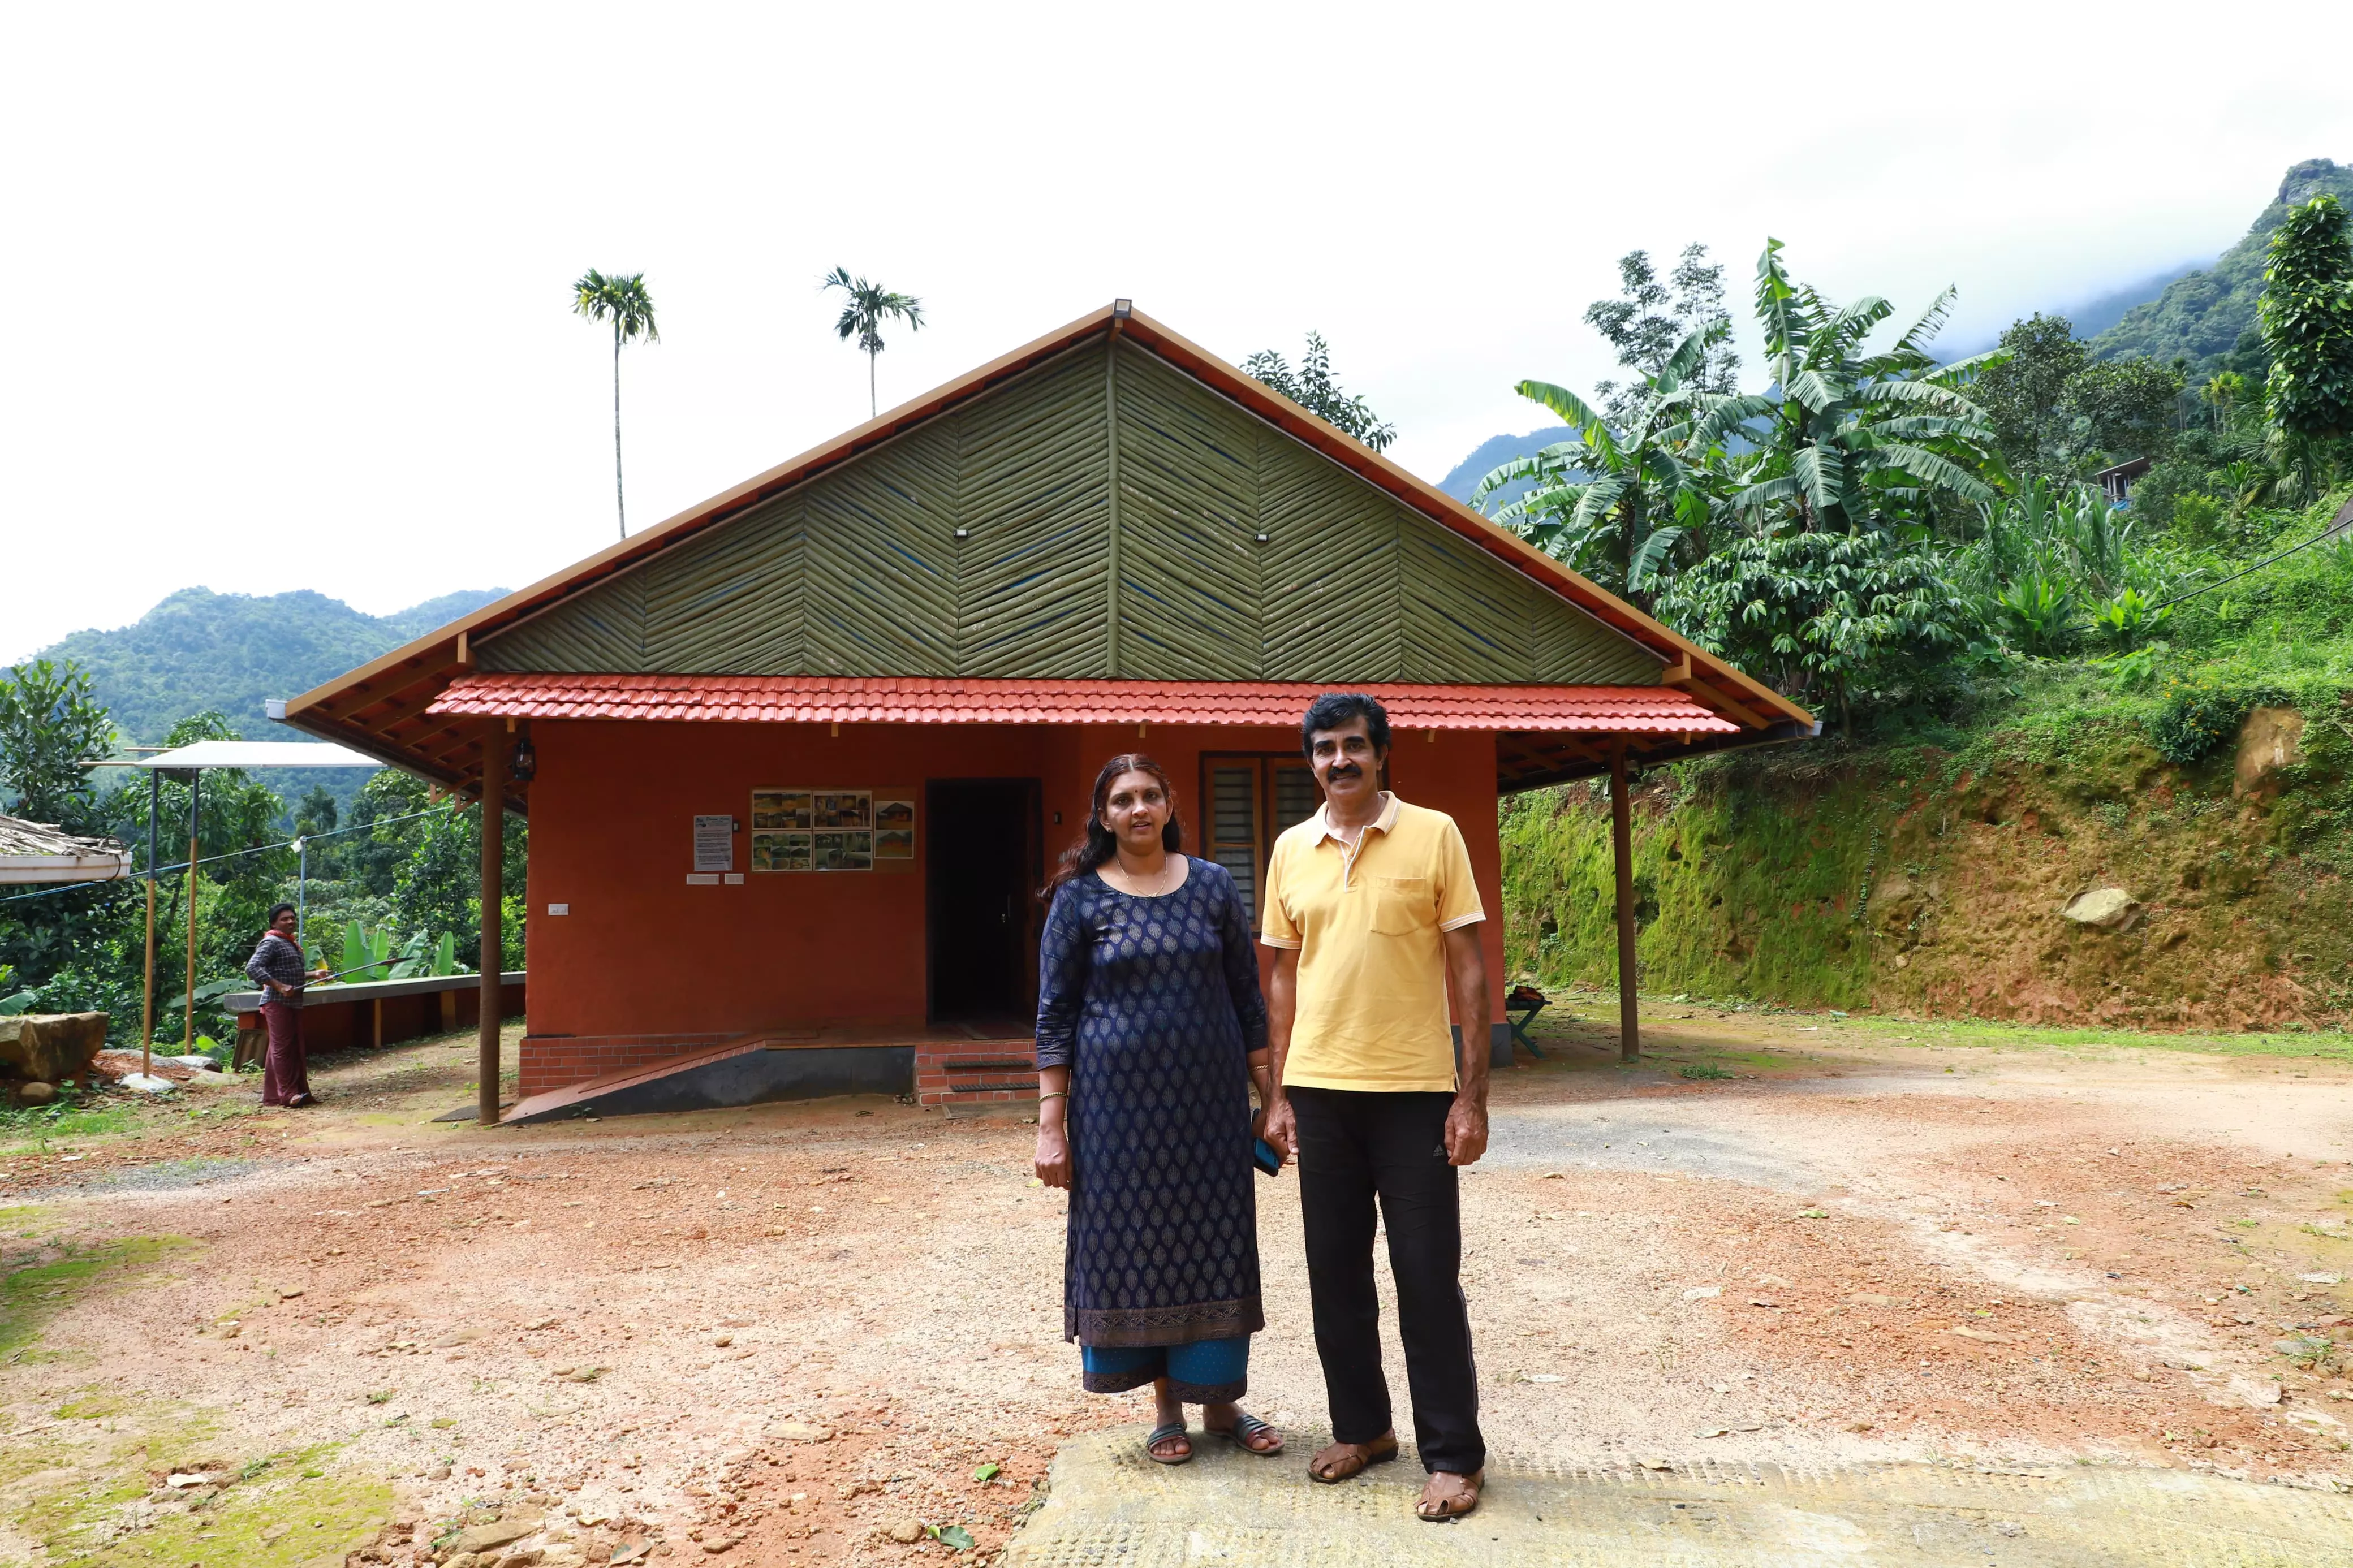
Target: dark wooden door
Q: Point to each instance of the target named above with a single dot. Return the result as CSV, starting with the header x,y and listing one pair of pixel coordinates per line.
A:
x,y
980,906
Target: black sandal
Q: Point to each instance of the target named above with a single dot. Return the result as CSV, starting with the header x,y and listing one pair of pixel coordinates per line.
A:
x,y
1160,1435
1245,1427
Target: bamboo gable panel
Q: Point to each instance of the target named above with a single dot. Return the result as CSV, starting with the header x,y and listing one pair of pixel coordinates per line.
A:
x,y
881,574
730,603
1572,648
1463,616
860,570
1330,568
1034,500
1188,503
600,632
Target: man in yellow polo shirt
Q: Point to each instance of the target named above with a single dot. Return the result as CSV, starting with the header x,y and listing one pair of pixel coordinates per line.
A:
x,y
1372,905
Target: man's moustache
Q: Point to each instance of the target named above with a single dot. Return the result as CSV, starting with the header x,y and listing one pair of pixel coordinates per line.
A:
x,y
1346,770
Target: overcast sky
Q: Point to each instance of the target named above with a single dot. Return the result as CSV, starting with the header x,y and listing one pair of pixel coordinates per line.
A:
x,y
287,288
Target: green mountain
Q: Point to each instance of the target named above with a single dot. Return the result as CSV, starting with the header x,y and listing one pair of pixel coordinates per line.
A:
x,y
2201,316
1492,453
199,649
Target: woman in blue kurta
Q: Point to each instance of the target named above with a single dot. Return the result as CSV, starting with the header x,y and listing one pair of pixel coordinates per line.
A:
x,y
1150,1031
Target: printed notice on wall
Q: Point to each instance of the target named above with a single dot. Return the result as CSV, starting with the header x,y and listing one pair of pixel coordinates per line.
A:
x,y
714,844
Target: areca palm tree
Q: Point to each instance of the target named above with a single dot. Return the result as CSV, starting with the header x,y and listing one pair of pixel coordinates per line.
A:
x,y
1855,437
622,301
869,305
1618,502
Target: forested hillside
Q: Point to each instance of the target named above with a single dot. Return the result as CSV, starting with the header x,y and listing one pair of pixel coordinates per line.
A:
x,y
227,653
2203,316
2083,760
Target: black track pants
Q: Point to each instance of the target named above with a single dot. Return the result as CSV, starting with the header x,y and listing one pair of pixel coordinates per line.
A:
x,y
1355,1147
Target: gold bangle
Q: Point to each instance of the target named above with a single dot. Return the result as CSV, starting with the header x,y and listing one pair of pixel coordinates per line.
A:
x,y
1057,1094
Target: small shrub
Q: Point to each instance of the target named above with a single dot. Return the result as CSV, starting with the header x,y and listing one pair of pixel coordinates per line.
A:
x,y
1701,1069
2199,717
2197,519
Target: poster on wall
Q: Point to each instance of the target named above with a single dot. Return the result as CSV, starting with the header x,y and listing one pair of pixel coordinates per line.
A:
x,y
780,808
844,851
780,851
894,829
844,808
809,829
714,844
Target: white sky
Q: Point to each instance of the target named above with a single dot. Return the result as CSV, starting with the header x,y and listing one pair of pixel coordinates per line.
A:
x,y
290,285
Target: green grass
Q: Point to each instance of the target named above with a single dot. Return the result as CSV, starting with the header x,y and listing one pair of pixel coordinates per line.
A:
x,y
1992,1034
29,1127
281,1510
31,1296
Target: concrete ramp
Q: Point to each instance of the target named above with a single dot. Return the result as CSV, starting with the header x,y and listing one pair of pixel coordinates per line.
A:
x,y
748,1071
1110,1505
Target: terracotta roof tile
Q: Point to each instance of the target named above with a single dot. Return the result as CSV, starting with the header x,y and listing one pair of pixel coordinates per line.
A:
x,y
853,700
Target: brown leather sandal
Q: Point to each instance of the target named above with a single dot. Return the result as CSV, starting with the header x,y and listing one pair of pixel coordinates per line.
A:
x,y
1367,1456
1438,1511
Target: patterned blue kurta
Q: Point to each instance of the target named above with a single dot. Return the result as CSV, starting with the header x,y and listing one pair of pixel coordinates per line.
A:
x,y
1154,1006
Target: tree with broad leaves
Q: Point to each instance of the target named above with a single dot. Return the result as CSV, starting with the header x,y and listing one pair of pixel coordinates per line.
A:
x,y
2023,391
50,723
869,307
1312,388
1855,439
2308,322
622,301
1823,614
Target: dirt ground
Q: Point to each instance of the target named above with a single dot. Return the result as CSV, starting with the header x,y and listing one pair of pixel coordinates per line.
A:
x,y
781,1334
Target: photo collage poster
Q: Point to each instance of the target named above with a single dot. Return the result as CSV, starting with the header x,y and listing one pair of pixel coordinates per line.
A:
x,y
832,830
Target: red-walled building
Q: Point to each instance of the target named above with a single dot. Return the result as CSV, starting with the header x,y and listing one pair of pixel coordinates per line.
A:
x,y
795,760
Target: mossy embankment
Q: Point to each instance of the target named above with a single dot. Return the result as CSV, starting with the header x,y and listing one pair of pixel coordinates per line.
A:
x,y
1930,879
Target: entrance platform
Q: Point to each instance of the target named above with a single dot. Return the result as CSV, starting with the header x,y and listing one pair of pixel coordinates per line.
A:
x,y
948,1065
1111,1505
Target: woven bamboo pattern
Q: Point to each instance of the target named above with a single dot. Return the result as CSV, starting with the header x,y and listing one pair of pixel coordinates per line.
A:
x,y
604,628
881,598
730,602
1244,556
1463,617
1188,473
1330,570
1034,500
1568,646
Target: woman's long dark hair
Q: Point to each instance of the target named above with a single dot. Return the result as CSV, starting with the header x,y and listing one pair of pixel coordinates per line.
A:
x,y
1099,846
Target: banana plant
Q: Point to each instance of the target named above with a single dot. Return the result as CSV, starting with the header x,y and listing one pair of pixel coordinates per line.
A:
x,y
17,1001
423,955
368,955
1855,436
1616,503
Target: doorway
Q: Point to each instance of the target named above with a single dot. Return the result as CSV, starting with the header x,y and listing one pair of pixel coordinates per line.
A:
x,y
983,862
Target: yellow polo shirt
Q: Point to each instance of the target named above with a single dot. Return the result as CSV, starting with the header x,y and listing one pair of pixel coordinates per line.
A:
x,y
1367,924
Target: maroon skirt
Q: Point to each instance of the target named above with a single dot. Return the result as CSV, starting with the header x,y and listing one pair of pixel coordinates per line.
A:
x,y
285,1077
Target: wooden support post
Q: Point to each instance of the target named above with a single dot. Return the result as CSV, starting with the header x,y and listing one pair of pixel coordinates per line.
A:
x,y
196,790
376,1023
1621,844
494,823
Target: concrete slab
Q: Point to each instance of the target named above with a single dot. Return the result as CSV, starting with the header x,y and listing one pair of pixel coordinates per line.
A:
x,y
750,1070
1110,1505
